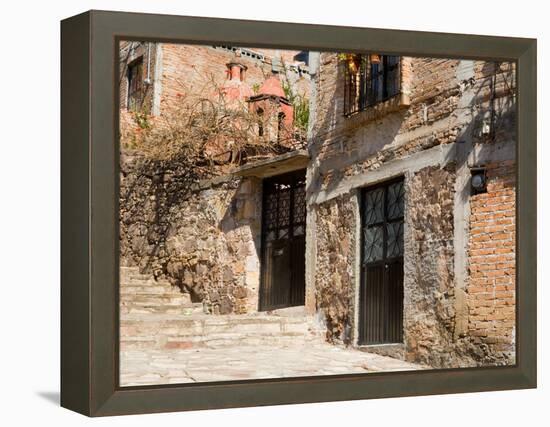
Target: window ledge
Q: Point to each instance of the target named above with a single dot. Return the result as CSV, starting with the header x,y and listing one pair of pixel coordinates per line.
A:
x,y
395,103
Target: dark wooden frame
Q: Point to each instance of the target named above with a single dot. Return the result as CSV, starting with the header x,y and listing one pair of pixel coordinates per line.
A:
x,y
89,203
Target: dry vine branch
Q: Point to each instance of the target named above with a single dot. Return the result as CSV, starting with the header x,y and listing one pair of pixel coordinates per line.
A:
x,y
203,129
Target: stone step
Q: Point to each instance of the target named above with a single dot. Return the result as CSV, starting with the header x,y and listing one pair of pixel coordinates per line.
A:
x,y
157,299
157,315
191,327
157,310
183,308
234,319
177,331
142,294
127,270
219,337
216,341
149,290
146,283
132,273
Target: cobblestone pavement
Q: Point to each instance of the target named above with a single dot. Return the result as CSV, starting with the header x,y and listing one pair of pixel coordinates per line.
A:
x,y
155,366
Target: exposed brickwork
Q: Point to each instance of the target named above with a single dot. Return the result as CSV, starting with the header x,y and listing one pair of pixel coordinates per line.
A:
x,y
185,66
491,288
130,52
430,88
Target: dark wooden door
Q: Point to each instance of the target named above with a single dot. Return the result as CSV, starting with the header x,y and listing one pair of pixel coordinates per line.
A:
x,y
381,293
283,241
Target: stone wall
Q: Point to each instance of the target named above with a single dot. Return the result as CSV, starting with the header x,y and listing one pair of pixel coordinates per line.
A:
x,y
452,116
205,239
428,319
335,272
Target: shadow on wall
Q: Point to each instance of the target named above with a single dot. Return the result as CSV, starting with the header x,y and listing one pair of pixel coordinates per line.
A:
x,y
150,194
340,143
204,238
491,117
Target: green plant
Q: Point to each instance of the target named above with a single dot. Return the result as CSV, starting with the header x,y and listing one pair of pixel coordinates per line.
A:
x,y
300,104
141,118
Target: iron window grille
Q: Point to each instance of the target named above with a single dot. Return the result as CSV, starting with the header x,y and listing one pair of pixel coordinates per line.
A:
x,y
371,83
136,87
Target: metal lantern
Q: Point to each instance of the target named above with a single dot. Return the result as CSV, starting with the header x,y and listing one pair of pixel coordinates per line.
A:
x,y
375,58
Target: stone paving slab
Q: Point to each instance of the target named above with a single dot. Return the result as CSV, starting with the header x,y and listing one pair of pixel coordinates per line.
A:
x,y
237,362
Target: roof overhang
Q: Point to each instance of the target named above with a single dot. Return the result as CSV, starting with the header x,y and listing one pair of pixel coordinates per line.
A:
x,y
288,162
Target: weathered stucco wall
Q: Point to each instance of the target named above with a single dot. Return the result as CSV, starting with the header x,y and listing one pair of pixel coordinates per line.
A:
x,y
206,241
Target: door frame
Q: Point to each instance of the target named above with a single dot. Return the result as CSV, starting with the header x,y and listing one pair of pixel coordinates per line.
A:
x,y
360,214
261,304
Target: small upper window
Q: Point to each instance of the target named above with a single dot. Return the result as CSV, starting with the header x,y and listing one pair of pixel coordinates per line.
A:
x,y
135,85
370,79
302,56
280,126
260,113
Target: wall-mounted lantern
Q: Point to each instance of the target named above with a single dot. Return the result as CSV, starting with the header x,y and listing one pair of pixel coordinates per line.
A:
x,y
375,58
478,180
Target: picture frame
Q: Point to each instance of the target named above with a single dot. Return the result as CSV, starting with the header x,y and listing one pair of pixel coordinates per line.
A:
x,y
89,214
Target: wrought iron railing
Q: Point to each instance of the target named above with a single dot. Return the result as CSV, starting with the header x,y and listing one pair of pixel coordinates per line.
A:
x,y
371,82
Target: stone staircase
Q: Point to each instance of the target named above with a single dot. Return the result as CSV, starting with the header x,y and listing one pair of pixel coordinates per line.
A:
x,y
141,293
155,315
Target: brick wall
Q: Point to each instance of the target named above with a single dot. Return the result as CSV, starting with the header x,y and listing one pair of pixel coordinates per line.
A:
x,y
187,66
130,52
430,90
491,287
196,69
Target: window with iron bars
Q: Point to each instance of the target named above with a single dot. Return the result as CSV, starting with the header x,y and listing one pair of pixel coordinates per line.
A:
x,y
135,85
371,82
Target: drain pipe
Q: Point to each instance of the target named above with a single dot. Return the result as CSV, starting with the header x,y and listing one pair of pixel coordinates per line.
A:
x,y
148,78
